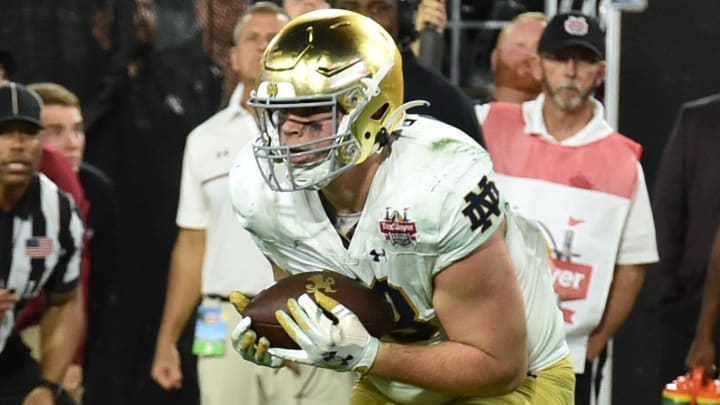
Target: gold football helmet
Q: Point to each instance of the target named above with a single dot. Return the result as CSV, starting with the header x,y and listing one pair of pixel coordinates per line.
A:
x,y
333,59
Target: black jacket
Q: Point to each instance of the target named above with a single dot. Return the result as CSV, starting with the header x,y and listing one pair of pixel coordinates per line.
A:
x,y
447,102
686,201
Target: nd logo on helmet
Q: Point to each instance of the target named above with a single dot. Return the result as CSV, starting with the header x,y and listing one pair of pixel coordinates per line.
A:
x,y
272,89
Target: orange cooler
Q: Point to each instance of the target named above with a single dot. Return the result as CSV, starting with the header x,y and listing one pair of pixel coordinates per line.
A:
x,y
692,389
678,392
709,393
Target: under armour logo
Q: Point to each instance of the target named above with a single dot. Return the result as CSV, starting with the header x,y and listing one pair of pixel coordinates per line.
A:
x,y
482,203
377,255
333,357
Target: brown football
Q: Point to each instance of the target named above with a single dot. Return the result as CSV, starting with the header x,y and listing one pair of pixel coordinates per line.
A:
x,y
371,307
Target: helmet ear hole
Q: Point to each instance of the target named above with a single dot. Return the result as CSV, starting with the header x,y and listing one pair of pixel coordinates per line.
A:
x,y
379,114
368,135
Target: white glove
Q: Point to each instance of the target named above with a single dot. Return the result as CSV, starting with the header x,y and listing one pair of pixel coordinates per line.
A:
x,y
345,346
243,340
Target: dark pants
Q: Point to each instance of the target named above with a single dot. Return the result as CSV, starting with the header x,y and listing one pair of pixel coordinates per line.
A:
x,y
20,374
122,358
585,381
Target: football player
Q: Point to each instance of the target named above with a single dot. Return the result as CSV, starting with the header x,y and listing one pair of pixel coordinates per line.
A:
x,y
343,179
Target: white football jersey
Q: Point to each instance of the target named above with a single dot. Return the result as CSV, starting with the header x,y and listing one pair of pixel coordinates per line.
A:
x,y
432,202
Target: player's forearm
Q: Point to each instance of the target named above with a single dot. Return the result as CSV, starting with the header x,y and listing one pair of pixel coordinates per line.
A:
x,y
183,291
451,367
61,329
623,293
486,351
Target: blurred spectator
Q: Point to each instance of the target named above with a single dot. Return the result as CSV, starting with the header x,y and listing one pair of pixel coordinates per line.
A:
x,y
686,203
138,140
513,62
562,164
58,169
447,102
72,42
40,249
217,20
430,23
477,45
64,131
54,165
513,58
294,8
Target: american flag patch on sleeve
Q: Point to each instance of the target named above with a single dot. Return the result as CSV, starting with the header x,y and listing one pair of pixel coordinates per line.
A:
x,y
38,247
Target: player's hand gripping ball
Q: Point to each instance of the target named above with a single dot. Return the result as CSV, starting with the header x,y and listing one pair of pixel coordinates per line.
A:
x,y
371,309
328,333
244,339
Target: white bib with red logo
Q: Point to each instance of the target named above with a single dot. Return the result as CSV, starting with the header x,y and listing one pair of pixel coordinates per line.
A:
x,y
581,197
582,229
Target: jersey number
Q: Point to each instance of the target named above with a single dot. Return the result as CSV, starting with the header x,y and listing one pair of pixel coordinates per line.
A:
x,y
408,326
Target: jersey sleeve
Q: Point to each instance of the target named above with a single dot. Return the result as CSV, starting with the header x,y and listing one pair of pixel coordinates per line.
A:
x,y
193,211
474,210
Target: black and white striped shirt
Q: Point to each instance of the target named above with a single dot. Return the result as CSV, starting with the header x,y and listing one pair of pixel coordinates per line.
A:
x,y
40,242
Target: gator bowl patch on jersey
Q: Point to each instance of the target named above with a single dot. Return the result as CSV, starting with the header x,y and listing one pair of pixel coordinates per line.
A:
x,y
398,229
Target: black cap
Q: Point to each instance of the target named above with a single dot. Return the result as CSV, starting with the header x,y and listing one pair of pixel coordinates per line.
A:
x,y
17,103
572,29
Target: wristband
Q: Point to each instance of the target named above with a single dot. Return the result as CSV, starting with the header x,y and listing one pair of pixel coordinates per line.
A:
x,y
54,387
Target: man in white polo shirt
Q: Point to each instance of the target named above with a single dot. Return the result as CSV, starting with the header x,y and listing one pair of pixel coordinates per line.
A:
x,y
559,162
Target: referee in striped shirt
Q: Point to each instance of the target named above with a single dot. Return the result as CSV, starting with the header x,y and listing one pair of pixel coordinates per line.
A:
x,y
40,249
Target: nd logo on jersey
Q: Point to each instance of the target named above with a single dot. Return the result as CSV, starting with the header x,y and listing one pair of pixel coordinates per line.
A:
x,y
398,229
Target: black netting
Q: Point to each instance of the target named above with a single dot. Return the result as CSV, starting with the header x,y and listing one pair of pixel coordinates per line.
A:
x,y
77,42
65,41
